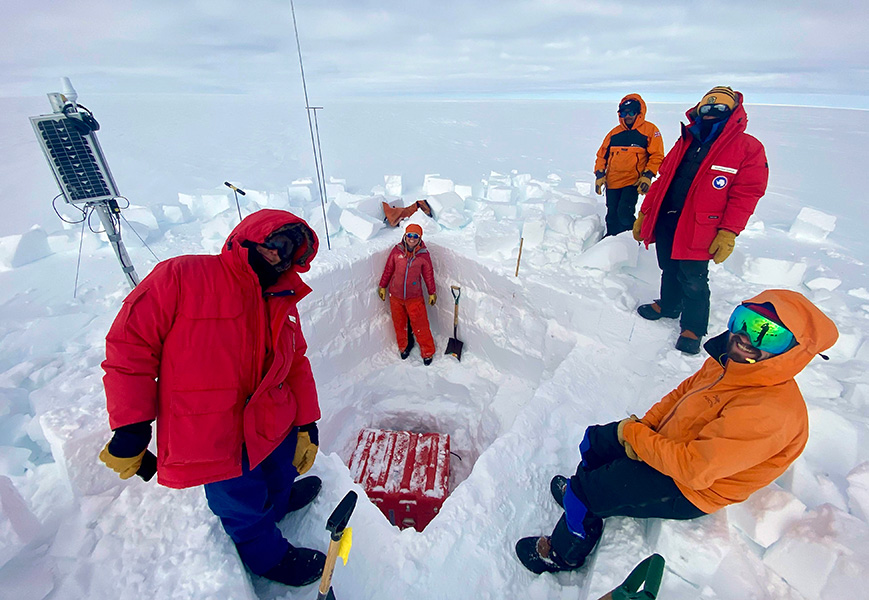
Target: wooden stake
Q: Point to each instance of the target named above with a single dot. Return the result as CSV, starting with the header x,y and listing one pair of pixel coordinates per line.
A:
x,y
518,258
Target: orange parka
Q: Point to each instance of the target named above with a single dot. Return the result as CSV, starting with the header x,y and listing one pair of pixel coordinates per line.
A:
x,y
626,153
730,430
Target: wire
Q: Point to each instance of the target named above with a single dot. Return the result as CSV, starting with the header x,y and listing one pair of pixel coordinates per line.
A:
x,y
59,216
138,236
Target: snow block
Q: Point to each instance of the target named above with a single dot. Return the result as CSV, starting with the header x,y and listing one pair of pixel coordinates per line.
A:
x,y
392,184
766,514
496,239
583,187
464,191
206,207
858,491
533,230
452,218
173,214
812,225
142,220
435,184
19,250
824,555
333,189
441,202
695,548
774,273
359,224
499,193
18,525
823,283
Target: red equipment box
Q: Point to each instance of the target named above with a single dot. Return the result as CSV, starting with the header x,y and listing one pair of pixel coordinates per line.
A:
x,y
405,474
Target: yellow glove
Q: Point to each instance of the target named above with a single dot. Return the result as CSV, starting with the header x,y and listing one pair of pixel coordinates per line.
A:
x,y
722,245
598,184
630,453
124,467
620,431
382,293
432,298
306,452
638,224
644,182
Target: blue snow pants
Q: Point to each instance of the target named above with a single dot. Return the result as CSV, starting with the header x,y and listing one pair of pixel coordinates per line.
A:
x,y
250,506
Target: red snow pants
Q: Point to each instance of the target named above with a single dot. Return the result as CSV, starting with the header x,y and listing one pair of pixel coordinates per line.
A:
x,y
413,308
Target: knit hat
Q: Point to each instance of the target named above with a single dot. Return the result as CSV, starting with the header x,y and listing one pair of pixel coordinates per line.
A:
x,y
414,228
765,310
720,95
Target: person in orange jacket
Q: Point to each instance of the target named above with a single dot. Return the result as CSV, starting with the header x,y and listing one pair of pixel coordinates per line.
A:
x,y
627,161
407,266
727,431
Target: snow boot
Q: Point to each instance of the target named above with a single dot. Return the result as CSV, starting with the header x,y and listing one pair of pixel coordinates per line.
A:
x,y
558,486
536,555
298,567
688,342
653,312
406,352
303,493
427,361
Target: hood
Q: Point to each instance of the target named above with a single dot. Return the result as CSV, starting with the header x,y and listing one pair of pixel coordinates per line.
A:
x,y
813,330
640,117
257,227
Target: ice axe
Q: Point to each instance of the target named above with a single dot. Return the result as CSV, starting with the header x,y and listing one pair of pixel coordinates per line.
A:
x,y
454,346
338,545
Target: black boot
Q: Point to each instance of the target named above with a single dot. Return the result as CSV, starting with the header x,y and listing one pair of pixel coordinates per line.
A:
x,y
303,492
406,352
649,312
427,361
298,567
571,549
535,554
688,342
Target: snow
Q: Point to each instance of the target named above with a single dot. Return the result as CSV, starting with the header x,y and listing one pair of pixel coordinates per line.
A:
x,y
546,353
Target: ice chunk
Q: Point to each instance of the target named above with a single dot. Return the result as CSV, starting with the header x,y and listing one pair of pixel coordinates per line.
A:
x,y
18,526
496,239
13,460
858,491
392,184
173,214
18,250
464,191
452,218
774,273
812,225
766,514
695,548
610,254
583,187
205,208
359,224
441,202
823,283
434,184
334,188
824,555
499,193
533,230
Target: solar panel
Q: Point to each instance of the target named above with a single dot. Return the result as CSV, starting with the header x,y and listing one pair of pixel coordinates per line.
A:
x,y
76,160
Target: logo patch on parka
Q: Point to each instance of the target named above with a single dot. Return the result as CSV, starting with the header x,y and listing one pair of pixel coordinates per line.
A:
x,y
719,182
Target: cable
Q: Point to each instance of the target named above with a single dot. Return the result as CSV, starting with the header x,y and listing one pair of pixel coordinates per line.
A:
x,y
138,236
59,216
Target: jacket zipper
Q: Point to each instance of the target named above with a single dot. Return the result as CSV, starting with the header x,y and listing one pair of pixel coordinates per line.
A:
x,y
407,272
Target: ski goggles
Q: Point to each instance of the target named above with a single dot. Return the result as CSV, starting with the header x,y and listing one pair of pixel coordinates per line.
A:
x,y
628,111
715,109
763,333
412,236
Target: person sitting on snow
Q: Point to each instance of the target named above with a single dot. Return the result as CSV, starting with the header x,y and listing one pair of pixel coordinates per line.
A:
x,y
727,431
407,265
211,347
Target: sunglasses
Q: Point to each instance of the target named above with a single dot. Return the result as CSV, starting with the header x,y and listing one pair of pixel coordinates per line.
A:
x,y
628,112
763,333
412,236
721,109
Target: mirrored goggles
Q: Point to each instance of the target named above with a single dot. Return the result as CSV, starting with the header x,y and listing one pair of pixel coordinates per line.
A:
x,y
628,112
763,333
714,109
412,236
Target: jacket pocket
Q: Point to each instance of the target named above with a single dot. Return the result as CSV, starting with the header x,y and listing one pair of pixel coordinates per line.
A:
x,y
204,426
706,226
275,411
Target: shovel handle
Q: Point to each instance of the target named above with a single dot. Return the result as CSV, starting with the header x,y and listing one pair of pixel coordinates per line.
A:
x,y
328,570
457,292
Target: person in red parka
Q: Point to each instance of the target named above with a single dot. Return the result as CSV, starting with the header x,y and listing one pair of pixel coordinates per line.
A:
x,y
709,185
408,265
211,347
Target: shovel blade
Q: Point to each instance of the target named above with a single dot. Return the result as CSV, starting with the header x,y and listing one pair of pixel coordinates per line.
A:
x,y
454,348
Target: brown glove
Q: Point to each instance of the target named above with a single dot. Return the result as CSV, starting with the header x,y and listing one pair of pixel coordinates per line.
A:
x,y
598,184
382,293
644,182
620,431
432,298
124,467
722,246
630,453
638,224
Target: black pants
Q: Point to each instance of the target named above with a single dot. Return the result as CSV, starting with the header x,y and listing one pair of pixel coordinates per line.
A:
x,y
684,283
610,485
621,205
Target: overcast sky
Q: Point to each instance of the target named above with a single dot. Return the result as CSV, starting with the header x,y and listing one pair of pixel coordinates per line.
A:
x,y
788,52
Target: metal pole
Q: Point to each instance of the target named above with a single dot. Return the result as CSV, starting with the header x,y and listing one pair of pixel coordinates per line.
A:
x,y
317,166
114,235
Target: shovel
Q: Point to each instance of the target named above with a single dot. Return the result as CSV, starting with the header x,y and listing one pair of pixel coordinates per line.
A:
x,y
336,525
454,346
647,574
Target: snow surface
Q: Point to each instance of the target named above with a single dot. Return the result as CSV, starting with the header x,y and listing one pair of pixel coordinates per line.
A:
x,y
546,353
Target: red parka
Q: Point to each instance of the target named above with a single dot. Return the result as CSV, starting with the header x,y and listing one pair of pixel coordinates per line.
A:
x,y
200,348
724,193
405,271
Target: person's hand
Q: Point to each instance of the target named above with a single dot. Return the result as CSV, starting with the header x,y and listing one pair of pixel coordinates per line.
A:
x,y
620,431
722,246
382,293
629,451
306,448
124,467
644,182
432,298
638,224
598,184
